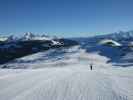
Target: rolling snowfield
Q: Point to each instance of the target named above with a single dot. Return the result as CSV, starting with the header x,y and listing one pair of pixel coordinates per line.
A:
x,y
48,76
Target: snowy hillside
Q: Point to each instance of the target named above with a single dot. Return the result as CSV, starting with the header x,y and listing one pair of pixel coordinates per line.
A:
x,y
65,74
66,78
29,44
46,75
67,84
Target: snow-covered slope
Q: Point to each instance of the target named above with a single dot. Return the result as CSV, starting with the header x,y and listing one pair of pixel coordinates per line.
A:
x,y
47,76
57,58
117,47
72,82
64,74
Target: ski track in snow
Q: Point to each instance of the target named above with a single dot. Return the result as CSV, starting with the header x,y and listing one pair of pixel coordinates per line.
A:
x,y
73,81
67,84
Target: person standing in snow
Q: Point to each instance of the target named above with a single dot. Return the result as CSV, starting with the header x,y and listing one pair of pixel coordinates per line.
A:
x,y
91,66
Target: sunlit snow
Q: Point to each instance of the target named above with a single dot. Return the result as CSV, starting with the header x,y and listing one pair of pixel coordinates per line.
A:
x,y
47,76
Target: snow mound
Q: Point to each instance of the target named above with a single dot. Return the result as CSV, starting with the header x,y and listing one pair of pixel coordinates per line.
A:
x,y
109,42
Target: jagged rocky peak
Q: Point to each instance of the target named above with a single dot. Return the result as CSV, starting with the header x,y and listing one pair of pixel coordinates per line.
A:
x,y
31,36
28,36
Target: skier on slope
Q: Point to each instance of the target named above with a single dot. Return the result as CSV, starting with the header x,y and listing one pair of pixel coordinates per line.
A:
x,y
91,65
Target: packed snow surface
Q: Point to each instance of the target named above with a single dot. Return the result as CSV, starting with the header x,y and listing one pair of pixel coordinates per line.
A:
x,y
47,76
66,84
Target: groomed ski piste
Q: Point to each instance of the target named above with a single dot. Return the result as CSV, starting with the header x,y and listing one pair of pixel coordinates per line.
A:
x,y
47,76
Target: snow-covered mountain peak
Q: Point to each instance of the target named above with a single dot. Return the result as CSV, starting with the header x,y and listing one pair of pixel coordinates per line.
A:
x,y
122,35
28,36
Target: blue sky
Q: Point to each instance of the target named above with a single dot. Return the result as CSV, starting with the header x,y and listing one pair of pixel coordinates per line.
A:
x,y
65,17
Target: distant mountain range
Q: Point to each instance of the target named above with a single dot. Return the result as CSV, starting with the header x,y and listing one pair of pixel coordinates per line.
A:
x,y
121,35
11,47
118,36
27,36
